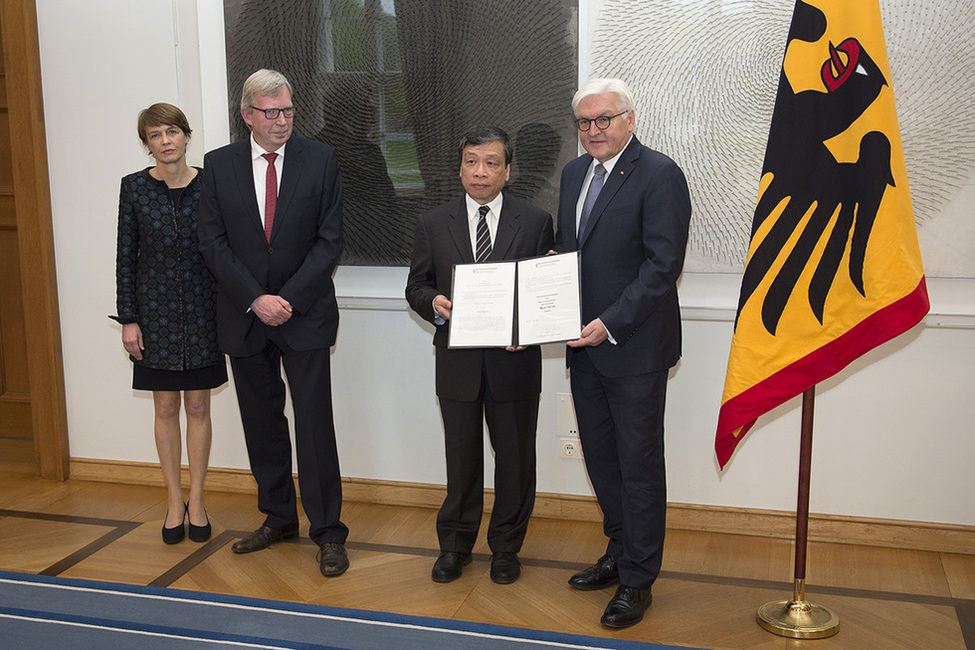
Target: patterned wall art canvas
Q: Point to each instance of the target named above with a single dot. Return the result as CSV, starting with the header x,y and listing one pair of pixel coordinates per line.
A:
x,y
394,84
705,72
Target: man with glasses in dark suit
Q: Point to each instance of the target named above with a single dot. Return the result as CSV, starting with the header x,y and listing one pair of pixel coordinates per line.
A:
x,y
270,227
626,209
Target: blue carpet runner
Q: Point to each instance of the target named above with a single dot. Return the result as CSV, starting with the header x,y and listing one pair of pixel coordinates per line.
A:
x,y
45,612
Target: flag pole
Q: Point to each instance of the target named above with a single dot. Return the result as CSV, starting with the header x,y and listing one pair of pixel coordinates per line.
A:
x,y
798,618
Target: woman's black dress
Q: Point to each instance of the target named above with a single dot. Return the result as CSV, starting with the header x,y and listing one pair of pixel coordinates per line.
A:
x,y
163,285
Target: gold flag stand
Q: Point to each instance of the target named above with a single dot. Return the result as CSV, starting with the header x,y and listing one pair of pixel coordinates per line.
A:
x,y
797,618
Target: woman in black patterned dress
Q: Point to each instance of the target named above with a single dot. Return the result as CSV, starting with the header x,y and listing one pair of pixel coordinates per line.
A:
x,y
165,300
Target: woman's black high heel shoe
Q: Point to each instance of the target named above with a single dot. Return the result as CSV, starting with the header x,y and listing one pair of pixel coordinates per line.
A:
x,y
175,534
200,533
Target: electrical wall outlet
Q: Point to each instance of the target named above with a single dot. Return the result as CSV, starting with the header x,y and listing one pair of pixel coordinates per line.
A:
x,y
565,417
570,448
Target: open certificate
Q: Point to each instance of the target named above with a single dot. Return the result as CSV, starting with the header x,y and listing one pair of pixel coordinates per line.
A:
x,y
528,302
548,299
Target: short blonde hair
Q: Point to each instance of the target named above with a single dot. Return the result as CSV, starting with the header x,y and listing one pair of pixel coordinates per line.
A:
x,y
264,82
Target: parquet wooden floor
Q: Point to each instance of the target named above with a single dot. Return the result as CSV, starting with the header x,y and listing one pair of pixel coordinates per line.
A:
x,y
707,596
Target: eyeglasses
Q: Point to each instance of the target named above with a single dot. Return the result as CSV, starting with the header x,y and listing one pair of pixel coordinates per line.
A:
x,y
272,113
601,122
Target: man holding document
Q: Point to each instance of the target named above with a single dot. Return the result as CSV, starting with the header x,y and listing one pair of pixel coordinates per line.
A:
x,y
499,384
625,208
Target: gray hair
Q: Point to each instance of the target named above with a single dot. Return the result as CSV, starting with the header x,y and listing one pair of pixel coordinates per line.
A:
x,y
264,82
624,99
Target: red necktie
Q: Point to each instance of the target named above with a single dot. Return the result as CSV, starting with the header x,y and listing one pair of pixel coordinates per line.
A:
x,y
270,194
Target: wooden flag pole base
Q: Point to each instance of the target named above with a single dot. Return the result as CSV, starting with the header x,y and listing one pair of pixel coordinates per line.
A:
x,y
797,618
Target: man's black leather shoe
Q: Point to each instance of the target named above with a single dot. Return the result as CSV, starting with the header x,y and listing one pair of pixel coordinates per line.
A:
x,y
627,607
448,566
262,538
599,576
505,568
332,559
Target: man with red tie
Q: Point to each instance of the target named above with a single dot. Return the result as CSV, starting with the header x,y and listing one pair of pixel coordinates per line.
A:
x,y
270,228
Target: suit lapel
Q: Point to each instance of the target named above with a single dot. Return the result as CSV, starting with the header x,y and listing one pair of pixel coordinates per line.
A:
x,y
570,198
614,181
459,230
507,229
244,173
294,160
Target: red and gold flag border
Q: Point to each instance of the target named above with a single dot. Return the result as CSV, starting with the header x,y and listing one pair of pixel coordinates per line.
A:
x,y
740,412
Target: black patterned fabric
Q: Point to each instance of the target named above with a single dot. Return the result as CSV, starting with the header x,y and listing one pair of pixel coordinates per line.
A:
x,y
162,282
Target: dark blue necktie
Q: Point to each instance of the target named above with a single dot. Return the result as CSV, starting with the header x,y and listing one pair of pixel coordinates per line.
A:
x,y
598,176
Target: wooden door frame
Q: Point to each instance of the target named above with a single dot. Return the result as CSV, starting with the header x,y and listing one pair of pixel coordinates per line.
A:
x,y
35,236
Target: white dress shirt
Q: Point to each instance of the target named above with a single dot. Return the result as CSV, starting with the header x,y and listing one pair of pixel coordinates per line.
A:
x,y
474,214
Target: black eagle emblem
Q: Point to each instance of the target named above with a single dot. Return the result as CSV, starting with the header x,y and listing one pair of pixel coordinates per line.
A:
x,y
806,174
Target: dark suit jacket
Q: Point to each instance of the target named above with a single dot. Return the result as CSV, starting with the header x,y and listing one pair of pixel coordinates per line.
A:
x,y
632,255
297,264
442,240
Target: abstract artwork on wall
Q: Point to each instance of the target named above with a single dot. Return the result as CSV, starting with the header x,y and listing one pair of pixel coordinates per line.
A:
x,y
704,75
394,84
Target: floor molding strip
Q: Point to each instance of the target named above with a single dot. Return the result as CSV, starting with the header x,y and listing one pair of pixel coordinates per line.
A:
x,y
887,533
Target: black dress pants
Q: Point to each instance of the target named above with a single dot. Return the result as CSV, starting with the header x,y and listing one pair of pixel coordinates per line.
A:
x,y
621,427
261,398
511,427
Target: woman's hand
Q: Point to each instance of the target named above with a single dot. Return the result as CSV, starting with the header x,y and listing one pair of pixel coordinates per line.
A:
x,y
132,340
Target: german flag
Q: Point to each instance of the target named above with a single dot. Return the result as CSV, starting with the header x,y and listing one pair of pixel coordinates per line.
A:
x,y
834,268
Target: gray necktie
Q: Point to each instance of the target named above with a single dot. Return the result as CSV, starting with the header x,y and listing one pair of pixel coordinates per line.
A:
x,y
483,248
598,176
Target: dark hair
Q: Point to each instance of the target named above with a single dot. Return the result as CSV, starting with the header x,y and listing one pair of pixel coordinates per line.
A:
x,y
159,114
482,135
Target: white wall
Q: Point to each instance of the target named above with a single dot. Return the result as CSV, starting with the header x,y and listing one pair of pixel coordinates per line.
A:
x,y
893,432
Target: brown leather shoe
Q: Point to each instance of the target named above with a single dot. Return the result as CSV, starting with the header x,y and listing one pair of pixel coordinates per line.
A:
x,y
332,559
262,538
